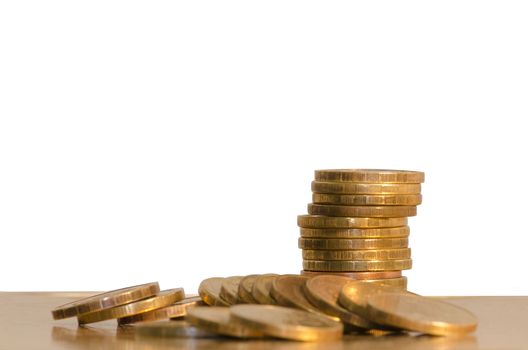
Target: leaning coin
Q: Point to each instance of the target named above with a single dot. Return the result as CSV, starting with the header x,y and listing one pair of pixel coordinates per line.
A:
x,y
348,233
178,309
229,289
364,188
218,320
387,211
262,289
288,291
420,314
357,265
367,199
172,329
245,289
287,323
319,221
370,175
209,290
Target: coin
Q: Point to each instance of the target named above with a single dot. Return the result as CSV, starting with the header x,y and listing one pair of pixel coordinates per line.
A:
x,y
105,300
420,314
364,188
209,291
370,175
288,323
172,329
287,290
178,309
391,232
323,292
245,288
388,211
360,275
355,265
362,199
367,254
218,320
356,243
229,289
162,299
319,221
262,288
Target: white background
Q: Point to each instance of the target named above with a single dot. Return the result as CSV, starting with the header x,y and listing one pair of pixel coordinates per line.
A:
x,y
175,141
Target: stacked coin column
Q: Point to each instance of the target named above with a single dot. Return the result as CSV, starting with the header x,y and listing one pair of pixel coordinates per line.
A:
x,y
357,223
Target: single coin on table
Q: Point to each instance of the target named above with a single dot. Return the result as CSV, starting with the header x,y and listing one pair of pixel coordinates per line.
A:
x,y
178,309
218,320
209,291
353,233
364,254
287,323
229,289
370,175
355,243
162,299
387,211
357,265
367,199
323,292
364,188
172,329
320,221
359,275
420,314
106,300
262,289
245,289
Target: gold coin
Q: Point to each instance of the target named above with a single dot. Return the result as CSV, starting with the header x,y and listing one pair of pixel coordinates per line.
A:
x,y
364,188
209,291
370,176
162,299
356,243
288,323
229,289
319,221
171,329
360,275
366,254
389,211
287,290
218,320
245,289
262,289
323,292
355,265
364,199
420,314
178,309
353,296
391,232
105,300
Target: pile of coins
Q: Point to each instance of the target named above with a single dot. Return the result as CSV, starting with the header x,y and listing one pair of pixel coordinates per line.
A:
x,y
357,223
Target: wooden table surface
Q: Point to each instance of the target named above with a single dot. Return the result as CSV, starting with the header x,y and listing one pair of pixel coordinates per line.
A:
x,y
26,323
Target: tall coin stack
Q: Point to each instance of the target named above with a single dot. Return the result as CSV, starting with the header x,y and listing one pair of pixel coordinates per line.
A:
x,y
357,223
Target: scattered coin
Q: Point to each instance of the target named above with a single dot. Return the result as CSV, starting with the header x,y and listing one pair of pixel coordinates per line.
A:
x,y
229,289
172,329
364,188
356,243
356,265
319,221
218,320
348,233
209,291
178,309
365,199
370,176
365,254
387,211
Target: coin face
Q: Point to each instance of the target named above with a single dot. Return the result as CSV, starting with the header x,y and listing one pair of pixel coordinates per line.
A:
x,y
388,211
319,221
245,290
357,243
218,320
172,329
365,254
287,290
370,175
420,314
229,289
357,265
209,291
262,289
364,188
288,323
352,233
178,309
368,275
364,199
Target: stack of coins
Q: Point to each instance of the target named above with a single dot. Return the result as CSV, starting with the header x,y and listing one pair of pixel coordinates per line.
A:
x,y
357,223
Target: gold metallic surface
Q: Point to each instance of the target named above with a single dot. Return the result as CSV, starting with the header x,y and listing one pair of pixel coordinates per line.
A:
x,y
356,265
262,289
245,289
356,243
105,300
323,292
370,175
348,233
171,329
420,314
319,221
387,211
209,291
362,199
288,323
367,254
288,290
229,289
162,299
364,188
218,320
368,275
178,309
